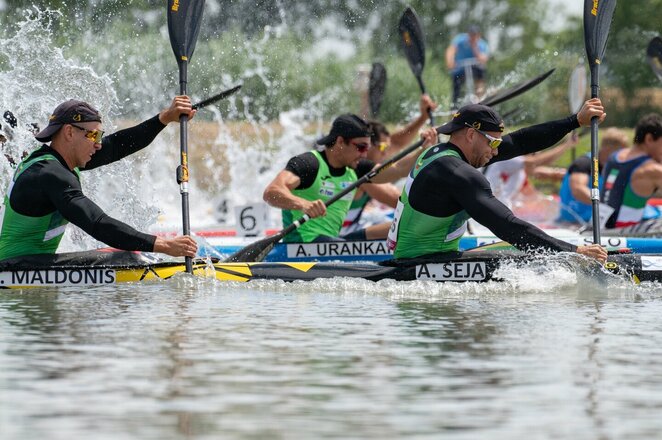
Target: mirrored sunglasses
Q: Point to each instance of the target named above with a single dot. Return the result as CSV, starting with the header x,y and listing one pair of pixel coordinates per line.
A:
x,y
93,135
491,140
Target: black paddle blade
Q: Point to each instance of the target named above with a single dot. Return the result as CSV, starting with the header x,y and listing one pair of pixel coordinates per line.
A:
x,y
597,21
412,39
654,54
184,19
516,90
218,97
255,252
376,88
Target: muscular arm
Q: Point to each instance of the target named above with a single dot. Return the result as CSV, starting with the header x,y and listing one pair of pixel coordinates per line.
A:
x,y
579,187
125,142
402,138
402,167
448,186
279,192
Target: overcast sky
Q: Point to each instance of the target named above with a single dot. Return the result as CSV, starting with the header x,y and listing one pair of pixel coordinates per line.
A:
x,y
562,9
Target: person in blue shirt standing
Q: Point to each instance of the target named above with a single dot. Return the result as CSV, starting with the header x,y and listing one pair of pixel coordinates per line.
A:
x,y
468,52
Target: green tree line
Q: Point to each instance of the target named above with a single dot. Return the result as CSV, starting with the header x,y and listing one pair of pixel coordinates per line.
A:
x,y
238,35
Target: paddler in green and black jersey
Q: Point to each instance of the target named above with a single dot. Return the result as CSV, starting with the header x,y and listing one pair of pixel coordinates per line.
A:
x,y
45,193
631,177
445,189
383,145
312,178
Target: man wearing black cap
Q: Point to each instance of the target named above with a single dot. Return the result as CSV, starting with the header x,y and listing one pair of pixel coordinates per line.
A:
x,y
45,193
467,54
445,189
312,178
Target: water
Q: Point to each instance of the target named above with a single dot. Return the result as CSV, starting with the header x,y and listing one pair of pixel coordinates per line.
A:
x,y
331,359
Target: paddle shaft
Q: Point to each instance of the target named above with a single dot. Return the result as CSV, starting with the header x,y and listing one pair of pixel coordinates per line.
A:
x,y
595,168
182,170
422,86
217,97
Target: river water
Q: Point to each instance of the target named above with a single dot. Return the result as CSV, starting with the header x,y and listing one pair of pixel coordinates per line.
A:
x,y
556,357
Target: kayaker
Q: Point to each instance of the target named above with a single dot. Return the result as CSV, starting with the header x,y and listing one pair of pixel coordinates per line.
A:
x,y
575,191
311,178
632,176
445,189
383,145
45,193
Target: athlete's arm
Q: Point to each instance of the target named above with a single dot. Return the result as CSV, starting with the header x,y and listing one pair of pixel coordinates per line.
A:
x,y
464,187
402,167
579,187
63,190
402,138
279,192
540,136
385,193
481,205
130,140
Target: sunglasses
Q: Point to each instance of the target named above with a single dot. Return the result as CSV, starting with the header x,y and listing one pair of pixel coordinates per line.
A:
x,y
491,140
93,135
361,147
382,146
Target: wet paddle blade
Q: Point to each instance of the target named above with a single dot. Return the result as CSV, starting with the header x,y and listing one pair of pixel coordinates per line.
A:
x,y
184,19
516,90
598,15
218,97
577,88
376,88
654,55
412,40
255,252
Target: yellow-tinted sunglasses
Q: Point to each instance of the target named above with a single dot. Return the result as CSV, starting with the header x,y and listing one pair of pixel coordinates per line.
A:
x,y
491,140
382,146
93,135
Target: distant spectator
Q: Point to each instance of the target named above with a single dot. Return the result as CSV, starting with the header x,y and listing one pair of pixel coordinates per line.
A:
x,y
470,51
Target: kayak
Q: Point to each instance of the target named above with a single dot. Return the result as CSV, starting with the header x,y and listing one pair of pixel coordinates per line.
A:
x,y
377,250
93,268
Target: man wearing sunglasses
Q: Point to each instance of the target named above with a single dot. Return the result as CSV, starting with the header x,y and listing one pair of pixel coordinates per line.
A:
x,y
312,178
383,145
45,193
445,189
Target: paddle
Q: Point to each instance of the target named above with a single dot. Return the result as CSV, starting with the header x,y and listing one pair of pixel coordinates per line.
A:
x,y
217,97
654,55
518,89
577,93
257,251
597,20
412,39
376,88
184,20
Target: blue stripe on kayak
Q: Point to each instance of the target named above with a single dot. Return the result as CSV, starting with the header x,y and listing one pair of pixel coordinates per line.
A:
x,y
342,251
